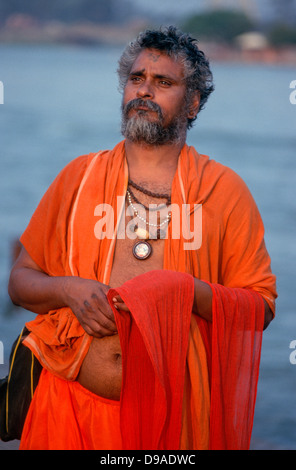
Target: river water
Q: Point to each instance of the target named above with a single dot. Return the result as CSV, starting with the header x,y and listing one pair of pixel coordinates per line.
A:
x,y
61,102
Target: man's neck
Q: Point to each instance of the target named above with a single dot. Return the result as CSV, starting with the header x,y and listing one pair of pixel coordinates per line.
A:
x,y
151,161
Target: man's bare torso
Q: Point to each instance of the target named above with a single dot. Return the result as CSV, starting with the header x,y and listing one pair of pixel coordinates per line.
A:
x,y
101,371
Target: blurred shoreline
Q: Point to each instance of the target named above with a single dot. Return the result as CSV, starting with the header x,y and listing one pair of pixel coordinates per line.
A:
x,y
23,29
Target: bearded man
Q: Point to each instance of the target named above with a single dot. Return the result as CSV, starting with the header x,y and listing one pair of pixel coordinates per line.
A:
x,y
147,341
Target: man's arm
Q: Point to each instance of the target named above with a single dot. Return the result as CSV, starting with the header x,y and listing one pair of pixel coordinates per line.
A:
x,y
34,290
203,303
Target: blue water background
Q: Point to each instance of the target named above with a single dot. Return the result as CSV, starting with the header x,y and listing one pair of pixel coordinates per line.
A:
x,y
61,102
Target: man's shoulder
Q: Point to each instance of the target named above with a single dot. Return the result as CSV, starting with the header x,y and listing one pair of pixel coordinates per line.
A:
x,y
100,161
215,172
76,168
82,161
85,160
217,184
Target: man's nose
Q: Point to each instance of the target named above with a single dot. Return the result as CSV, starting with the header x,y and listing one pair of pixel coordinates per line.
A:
x,y
145,90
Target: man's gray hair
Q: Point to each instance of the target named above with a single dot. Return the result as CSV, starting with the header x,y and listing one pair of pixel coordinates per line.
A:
x,y
181,47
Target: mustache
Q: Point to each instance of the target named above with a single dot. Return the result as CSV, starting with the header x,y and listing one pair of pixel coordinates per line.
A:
x,y
137,102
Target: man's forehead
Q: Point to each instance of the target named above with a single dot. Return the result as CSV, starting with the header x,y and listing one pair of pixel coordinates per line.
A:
x,y
159,62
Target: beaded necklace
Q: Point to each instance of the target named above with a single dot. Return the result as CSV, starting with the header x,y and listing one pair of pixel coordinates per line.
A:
x,y
142,249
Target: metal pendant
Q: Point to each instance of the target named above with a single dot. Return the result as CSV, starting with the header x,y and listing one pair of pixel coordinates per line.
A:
x,y
142,250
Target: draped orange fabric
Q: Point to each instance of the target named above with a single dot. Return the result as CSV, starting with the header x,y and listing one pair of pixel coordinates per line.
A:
x,y
154,345
154,341
65,416
154,371
236,347
61,239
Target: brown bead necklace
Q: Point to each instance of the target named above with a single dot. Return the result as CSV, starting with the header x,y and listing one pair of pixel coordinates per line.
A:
x,y
150,193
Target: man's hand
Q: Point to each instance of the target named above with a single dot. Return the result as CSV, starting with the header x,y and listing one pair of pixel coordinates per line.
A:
x,y
88,301
34,290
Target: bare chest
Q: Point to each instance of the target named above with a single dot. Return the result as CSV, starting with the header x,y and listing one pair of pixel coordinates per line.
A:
x,y
126,266
129,249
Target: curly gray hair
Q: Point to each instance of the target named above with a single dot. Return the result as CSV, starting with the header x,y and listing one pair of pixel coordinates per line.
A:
x,y
180,46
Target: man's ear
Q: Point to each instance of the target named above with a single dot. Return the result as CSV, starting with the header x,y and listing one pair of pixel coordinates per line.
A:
x,y
193,107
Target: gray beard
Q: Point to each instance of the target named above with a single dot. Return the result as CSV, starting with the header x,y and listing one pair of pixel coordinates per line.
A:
x,y
139,129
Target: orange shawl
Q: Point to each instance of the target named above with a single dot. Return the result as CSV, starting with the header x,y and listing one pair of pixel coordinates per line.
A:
x,y
60,238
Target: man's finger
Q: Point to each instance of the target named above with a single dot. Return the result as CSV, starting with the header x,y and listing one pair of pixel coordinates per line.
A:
x,y
104,307
119,303
100,317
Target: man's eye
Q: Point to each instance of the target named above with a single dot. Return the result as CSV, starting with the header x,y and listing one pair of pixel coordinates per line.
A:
x,y
164,83
135,79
